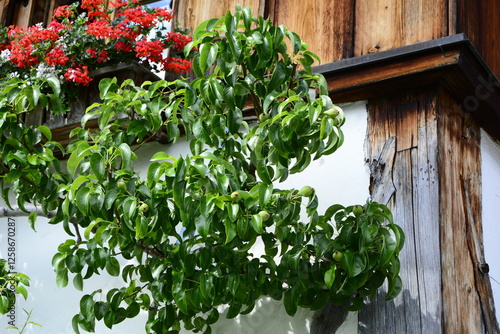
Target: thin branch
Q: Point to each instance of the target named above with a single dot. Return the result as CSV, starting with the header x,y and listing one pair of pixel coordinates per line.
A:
x,y
18,212
77,230
136,291
151,250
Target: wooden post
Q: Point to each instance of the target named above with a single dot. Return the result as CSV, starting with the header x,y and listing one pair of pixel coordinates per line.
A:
x,y
436,174
467,299
402,142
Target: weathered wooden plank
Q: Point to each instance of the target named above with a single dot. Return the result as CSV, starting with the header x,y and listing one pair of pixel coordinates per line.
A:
x,y
387,24
407,315
397,68
381,185
426,213
22,14
328,319
326,26
190,13
410,118
480,21
460,215
406,126
3,11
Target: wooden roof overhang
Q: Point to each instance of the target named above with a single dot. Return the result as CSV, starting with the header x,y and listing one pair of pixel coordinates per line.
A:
x,y
451,61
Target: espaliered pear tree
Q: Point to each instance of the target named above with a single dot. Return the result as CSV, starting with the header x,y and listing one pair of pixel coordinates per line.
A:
x,y
190,223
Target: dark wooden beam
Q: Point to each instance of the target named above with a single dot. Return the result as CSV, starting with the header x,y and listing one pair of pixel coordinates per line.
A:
x,y
451,62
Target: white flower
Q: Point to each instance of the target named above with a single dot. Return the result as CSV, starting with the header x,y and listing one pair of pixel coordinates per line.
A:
x,y
44,71
4,56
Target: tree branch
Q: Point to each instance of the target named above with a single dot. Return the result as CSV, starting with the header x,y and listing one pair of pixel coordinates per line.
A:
x,y
18,212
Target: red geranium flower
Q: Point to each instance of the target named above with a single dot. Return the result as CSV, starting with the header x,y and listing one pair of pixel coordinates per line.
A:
x,y
78,75
56,56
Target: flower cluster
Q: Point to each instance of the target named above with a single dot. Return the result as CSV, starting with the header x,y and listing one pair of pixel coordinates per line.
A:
x,y
73,44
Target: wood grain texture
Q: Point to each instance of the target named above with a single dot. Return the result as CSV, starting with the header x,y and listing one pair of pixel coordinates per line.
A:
x,y
190,13
328,319
461,231
480,21
388,77
387,24
327,26
410,119
21,15
3,11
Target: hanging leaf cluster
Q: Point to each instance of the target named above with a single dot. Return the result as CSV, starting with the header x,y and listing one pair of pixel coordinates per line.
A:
x,y
189,225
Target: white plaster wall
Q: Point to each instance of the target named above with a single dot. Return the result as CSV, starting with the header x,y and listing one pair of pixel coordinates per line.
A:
x,y
490,162
340,178
52,307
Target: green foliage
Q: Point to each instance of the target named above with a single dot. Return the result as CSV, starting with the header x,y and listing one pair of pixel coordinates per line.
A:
x,y
10,284
190,224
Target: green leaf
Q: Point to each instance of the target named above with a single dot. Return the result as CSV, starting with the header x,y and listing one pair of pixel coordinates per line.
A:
x,y
97,164
161,156
22,290
126,154
330,277
208,54
295,40
62,278
353,263
83,199
81,151
133,310
4,304
230,230
400,236
257,223
55,84
263,171
100,309
109,319
279,75
356,304
113,266
197,67
395,287
78,282
388,248
32,220
202,226
74,324
234,309
203,28
179,183
233,283
291,301
180,299
105,85
265,193
206,285
46,131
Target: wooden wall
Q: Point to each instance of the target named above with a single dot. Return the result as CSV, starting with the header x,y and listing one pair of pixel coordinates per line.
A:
x,y
423,151
467,297
480,21
190,13
339,29
402,154
327,26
